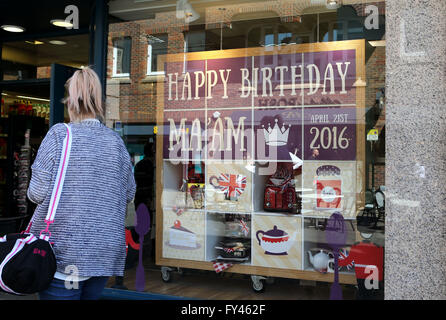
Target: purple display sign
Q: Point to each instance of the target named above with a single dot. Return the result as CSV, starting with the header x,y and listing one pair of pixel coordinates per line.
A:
x,y
278,133
229,135
330,133
184,134
262,107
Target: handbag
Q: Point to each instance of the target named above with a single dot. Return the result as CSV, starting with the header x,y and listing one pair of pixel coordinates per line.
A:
x,y
28,263
280,193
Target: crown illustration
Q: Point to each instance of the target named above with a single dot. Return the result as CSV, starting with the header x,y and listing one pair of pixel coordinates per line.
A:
x,y
276,136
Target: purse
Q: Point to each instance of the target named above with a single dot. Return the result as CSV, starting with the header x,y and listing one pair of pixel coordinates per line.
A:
x,y
280,193
28,263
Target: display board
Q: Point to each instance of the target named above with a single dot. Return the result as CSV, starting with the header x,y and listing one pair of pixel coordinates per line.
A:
x,y
227,121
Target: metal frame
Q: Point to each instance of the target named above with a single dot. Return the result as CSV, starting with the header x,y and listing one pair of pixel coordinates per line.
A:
x,y
98,40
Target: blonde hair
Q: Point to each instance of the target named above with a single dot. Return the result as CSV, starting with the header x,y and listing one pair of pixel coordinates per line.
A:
x,y
84,95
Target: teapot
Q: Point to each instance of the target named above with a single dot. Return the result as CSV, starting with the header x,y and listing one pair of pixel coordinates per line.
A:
x,y
322,261
275,241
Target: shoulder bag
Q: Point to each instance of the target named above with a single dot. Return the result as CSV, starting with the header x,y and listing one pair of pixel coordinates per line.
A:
x,y
28,263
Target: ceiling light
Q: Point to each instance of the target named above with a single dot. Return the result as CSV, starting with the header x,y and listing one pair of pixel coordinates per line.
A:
x,y
11,28
359,83
35,42
61,23
57,42
318,2
333,4
378,43
185,11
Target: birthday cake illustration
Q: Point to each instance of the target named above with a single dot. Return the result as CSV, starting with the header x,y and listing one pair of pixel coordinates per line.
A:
x,y
182,238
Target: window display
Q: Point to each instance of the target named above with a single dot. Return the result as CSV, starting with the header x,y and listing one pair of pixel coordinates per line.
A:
x,y
261,112
269,133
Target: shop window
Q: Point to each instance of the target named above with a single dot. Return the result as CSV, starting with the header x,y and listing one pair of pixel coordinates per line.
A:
x,y
195,41
355,30
263,139
121,57
157,46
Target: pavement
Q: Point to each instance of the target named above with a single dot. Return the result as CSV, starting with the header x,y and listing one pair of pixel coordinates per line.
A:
x,y
6,296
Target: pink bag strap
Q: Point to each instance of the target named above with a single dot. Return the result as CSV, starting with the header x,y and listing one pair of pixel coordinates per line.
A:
x,y
58,185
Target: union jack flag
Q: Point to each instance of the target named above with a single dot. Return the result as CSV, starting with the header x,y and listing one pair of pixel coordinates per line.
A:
x,y
232,185
244,227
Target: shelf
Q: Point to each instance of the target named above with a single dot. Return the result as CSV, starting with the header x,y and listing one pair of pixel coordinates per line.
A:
x,y
257,161
227,212
185,209
340,272
276,214
245,263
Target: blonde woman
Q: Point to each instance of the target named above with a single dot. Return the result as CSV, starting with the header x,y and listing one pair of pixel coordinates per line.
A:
x,y
88,232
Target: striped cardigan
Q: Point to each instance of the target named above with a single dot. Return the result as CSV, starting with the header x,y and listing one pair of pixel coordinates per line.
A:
x,y
88,231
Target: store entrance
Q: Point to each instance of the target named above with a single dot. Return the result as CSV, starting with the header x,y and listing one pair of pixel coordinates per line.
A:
x,y
29,108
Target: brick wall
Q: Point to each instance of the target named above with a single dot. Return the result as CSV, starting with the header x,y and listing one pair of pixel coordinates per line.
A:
x,y
376,74
135,97
380,175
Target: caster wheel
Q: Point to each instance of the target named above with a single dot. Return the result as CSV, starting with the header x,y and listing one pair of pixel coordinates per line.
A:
x,y
258,285
166,275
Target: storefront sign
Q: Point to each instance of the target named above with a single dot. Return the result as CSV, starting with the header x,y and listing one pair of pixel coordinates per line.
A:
x,y
260,106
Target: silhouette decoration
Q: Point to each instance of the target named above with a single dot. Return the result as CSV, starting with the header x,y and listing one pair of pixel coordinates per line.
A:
x,y
142,228
336,236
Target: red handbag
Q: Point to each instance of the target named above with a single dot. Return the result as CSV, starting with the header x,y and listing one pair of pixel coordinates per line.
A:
x,y
280,192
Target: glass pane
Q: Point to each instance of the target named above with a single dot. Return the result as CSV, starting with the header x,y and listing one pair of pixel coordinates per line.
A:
x,y
123,53
159,47
266,149
32,59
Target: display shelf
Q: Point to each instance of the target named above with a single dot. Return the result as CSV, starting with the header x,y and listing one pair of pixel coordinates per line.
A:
x,y
169,208
276,214
217,232
279,241
341,272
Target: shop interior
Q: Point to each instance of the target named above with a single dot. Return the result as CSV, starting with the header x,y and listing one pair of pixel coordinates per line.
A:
x,y
29,52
